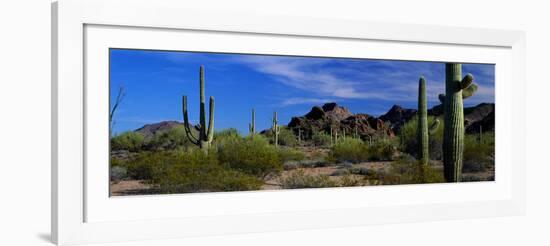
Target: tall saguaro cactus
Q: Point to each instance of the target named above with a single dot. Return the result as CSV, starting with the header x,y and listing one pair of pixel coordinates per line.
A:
x,y
276,129
252,125
422,132
205,137
456,89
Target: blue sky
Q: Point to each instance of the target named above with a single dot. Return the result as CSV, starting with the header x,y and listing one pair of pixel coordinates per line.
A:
x,y
155,81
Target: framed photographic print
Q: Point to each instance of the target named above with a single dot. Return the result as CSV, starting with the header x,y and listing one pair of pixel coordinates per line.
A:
x,y
173,123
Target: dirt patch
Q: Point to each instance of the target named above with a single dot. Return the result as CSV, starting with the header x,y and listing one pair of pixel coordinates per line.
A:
x,y
274,183
130,187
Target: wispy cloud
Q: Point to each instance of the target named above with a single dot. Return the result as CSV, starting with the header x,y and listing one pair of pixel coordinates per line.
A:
x,y
300,100
356,79
309,74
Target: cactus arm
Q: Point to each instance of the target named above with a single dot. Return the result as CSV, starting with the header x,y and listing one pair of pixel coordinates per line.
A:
x,y
188,132
434,126
469,91
442,98
467,81
210,135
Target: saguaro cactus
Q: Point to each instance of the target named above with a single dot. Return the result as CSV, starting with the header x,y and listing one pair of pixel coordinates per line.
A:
x,y
252,125
422,132
205,137
422,127
456,89
275,128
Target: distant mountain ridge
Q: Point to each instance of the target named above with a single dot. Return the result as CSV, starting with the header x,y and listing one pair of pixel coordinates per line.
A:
x,y
339,118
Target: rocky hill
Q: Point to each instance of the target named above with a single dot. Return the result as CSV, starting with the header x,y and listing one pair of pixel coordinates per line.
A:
x,y
149,130
331,115
481,115
338,118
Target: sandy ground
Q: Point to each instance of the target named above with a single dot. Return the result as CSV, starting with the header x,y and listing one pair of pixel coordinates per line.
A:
x,y
129,187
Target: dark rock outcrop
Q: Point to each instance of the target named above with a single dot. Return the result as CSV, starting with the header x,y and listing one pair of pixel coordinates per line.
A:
x,y
397,116
331,115
481,115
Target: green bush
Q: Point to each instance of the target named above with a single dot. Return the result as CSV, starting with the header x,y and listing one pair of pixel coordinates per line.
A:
x,y
348,180
118,173
321,139
131,141
299,179
382,150
286,137
408,139
174,138
349,150
197,171
407,170
478,156
226,133
144,164
290,154
252,155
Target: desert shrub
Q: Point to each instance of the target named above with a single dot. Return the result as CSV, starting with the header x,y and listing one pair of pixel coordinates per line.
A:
x,y
131,141
171,139
299,179
290,165
226,133
286,137
382,150
313,163
253,156
197,171
118,173
407,170
321,139
116,161
348,180
475,178
363,171
408,142
350,150
478,156
289,154
143,165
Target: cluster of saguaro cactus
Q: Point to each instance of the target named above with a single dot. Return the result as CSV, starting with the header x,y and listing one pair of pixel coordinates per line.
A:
x,y
456,89
422,126
275,129
205,136
252,125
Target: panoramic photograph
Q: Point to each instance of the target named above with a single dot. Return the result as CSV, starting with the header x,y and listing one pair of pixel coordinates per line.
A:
x,y
196,122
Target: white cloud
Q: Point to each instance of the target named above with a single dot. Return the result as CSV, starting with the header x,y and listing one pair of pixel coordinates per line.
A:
x,y
301,100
